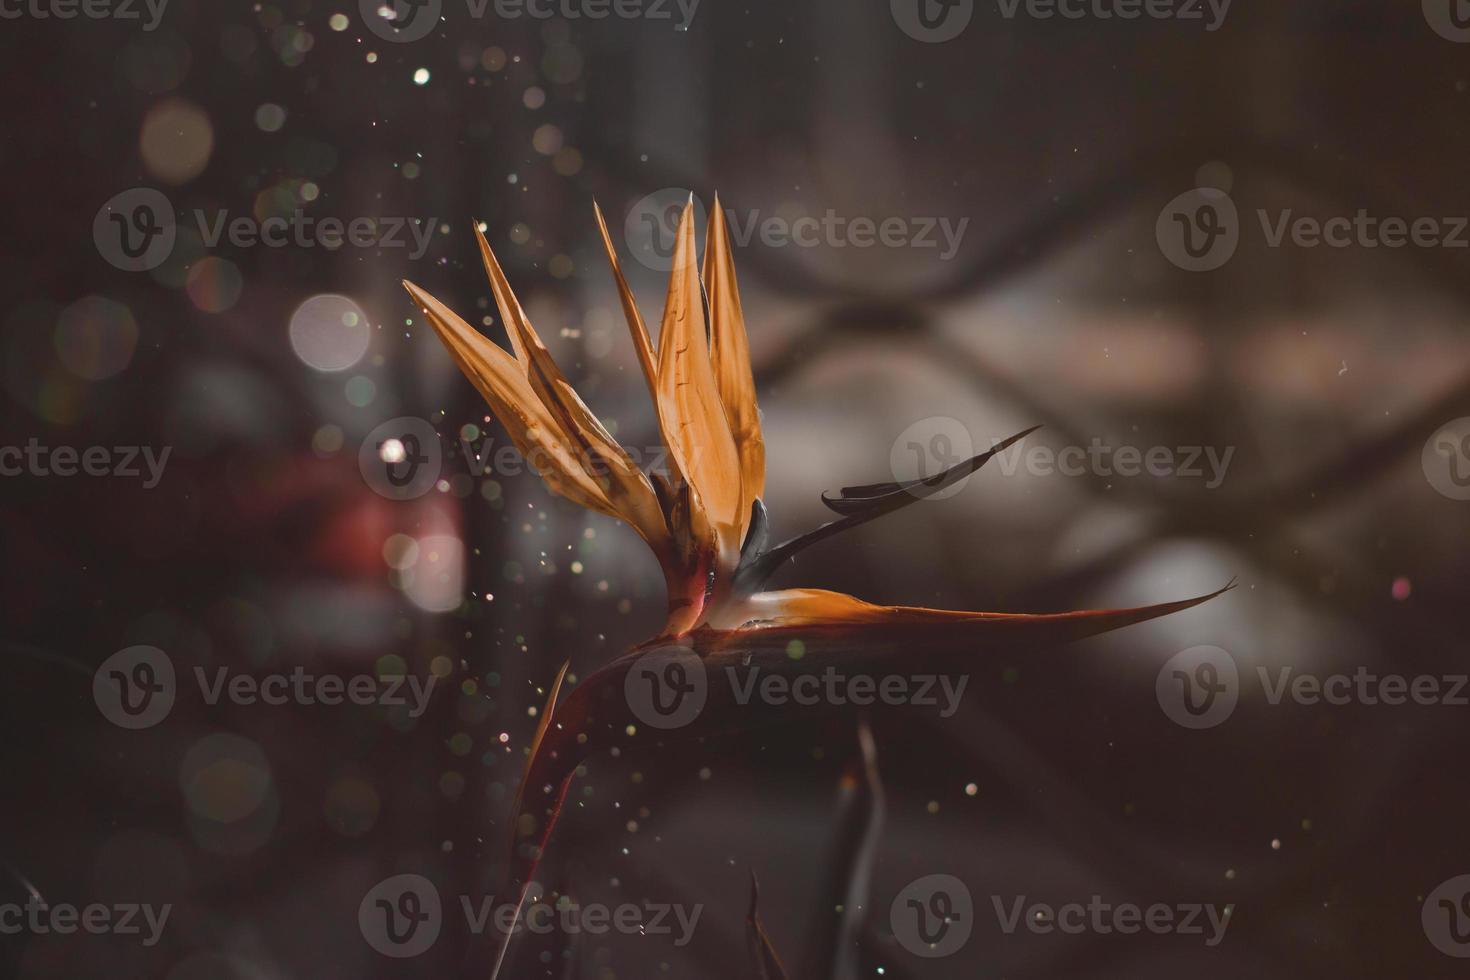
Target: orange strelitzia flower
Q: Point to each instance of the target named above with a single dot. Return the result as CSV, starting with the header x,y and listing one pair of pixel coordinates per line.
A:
x,y
706,522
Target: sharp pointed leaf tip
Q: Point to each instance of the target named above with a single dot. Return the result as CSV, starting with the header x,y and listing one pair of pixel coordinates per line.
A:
x,y
856,499
642,345
535,747
886,498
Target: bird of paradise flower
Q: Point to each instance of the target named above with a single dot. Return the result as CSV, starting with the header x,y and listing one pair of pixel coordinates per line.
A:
x,y
706,522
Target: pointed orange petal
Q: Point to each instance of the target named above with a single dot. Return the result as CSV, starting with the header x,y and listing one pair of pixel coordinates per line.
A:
x,y
534,430
730,354
843,615
512,313
603,459
636,326
688,524
690,412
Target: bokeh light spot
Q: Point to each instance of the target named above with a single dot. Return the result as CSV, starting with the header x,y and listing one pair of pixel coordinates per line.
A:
x,y
214,284
95,338
176,141
329,332
270,117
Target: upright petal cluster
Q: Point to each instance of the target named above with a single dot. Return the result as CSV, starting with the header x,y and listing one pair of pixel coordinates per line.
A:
x,y
697,519
706,522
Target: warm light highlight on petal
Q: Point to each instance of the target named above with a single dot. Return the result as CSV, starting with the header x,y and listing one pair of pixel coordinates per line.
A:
x,y
690,411
730,355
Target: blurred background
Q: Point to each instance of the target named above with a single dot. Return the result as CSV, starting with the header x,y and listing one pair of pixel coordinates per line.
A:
x,y
1052,149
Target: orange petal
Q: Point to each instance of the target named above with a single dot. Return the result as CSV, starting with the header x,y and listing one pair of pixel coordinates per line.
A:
x,y
730,354
843,616
512,314
534,430
690,411
636,326
605,462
